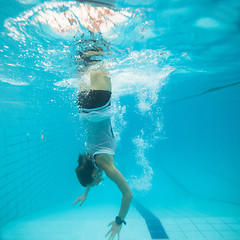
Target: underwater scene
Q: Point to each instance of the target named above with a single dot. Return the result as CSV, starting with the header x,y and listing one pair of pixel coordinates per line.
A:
x,y
119,119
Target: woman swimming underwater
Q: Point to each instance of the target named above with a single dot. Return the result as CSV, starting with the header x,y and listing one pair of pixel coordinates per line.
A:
x,y
94,102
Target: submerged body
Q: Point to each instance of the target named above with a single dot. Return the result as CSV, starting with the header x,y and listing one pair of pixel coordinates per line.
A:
x,y
95,109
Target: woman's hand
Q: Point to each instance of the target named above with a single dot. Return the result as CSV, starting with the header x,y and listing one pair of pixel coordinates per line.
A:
x,y
80,199
115,229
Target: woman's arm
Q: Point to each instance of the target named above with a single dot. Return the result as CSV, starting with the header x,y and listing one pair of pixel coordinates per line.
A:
x,y
105,162
120,181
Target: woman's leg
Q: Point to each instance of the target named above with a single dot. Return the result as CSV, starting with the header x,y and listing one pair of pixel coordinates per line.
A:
x,y
100,80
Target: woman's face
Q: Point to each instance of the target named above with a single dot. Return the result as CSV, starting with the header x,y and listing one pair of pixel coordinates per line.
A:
x,y
97,177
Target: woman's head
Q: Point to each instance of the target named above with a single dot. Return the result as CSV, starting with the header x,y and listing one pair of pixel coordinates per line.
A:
x,y
86,173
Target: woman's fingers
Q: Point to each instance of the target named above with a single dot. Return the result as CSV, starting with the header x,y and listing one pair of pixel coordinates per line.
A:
x,y
111,236
108,232
75,202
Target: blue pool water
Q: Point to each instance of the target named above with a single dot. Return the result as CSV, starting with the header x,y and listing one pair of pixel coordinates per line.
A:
x,y
175,75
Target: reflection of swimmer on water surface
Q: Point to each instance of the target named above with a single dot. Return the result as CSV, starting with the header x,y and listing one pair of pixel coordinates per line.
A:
x,y
94,102
79,16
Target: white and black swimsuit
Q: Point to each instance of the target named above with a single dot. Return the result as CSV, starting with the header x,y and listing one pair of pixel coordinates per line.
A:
x,y
95,109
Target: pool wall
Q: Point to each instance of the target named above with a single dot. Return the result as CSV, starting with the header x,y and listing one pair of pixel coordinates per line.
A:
x,y
201,151
36,151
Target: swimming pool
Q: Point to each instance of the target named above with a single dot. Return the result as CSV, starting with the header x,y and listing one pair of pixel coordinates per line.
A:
x,y
175,73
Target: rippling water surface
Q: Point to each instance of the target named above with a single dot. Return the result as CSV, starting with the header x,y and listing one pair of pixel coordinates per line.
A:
x,y
190,39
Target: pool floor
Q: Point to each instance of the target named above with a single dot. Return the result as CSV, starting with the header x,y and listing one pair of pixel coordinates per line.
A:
x,y
90,222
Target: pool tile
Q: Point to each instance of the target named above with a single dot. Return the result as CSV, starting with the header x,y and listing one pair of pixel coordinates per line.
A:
x,y
212,235
205,227
183,221
198,220
168,221
214,220
188,227
229,220
176,235
171,227
229,235
221,226
153,223
194,235
235,226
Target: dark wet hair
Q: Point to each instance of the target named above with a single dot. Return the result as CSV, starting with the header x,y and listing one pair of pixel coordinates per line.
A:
x,y
85,169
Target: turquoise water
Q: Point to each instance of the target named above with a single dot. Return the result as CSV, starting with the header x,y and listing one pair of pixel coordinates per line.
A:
x,y
175,74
